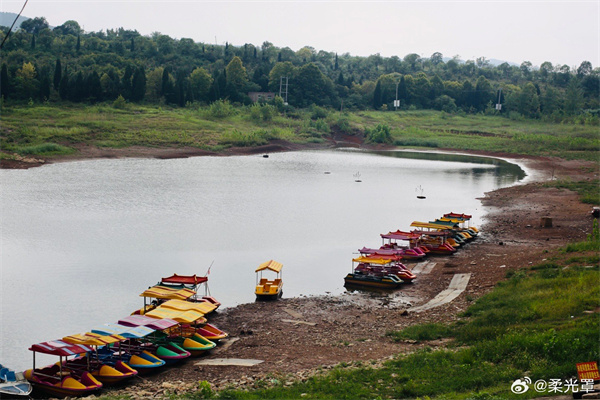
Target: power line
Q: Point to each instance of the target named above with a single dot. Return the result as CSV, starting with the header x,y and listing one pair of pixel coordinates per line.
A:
x,y
13,24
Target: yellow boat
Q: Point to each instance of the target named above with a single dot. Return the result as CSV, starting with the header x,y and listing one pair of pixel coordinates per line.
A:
x,y
265,288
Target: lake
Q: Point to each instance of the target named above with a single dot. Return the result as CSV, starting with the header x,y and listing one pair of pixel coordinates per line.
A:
x,y
81,240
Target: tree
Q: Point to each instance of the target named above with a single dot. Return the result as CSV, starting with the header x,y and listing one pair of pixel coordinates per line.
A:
x,y
284,69
584,69
377,96
94,87
529,104
436,58
4,82
57,74
310,86
545,70
200,82
35,25
27,85
69,28
573,97
138,84
237,78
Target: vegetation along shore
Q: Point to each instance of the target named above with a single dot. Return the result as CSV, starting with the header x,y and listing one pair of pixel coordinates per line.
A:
x,y
532,307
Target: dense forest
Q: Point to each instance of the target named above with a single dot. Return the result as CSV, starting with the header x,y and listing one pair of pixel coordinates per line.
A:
x,y
64,63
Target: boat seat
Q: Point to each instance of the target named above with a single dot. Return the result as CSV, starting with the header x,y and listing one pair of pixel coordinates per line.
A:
x,y
3,373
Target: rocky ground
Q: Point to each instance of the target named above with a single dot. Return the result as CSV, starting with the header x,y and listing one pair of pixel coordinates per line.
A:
x,y
299,337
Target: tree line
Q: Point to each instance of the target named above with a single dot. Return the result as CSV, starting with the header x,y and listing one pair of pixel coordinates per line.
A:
x,y
67,64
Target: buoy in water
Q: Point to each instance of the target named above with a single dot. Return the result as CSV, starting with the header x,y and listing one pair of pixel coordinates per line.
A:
x,y
265,156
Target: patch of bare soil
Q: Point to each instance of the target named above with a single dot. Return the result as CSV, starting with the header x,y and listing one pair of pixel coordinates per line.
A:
x,y
352,327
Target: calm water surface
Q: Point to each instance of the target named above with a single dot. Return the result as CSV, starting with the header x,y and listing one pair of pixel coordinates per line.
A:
x,y
81,240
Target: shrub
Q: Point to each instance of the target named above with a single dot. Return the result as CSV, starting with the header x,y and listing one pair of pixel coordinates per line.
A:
x,y
221,109
379,134
120,103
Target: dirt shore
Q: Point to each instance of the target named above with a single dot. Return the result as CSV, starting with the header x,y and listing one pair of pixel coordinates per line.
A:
x,y
298,337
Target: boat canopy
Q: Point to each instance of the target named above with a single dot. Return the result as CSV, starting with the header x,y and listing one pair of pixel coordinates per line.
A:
x,y
369,260
128,332
465,217
203,307
186,317
380,256
448,223
93,339
60,348
432,233
429,225
272,265
185,279
387,252
399,235
152,323
165,293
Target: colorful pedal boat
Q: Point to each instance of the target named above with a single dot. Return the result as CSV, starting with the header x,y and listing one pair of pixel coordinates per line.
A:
x,y
211,332
142,361
191,282
54,379
382,282
103,372
194,343
107,374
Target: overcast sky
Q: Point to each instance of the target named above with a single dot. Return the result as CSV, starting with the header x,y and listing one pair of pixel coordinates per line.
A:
x,y
562,32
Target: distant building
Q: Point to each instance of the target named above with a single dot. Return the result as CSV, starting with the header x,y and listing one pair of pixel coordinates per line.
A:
x,y
261,96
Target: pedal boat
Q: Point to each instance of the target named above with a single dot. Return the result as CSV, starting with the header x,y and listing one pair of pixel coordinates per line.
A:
x,y
211,332
54,379
194,283
105,373
169,352
371,274
269,289
142,361
394,267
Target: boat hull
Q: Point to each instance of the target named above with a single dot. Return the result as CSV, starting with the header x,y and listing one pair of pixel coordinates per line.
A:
x,y
67,386
384,282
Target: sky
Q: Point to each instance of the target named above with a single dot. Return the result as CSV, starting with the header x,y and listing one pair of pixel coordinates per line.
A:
x,y
561,32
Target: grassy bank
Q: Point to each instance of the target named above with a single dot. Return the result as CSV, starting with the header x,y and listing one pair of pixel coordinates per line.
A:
x,y
29,130
538,323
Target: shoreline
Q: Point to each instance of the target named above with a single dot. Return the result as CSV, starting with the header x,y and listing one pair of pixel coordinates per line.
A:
x,y
304,336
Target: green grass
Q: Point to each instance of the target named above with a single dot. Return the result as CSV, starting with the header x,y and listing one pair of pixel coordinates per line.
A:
x,y
589,191
221,125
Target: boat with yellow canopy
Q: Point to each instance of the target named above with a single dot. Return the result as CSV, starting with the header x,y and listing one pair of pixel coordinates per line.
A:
x,y
269,288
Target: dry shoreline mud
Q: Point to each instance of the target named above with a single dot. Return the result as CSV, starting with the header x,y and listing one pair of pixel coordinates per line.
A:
x,y
352,327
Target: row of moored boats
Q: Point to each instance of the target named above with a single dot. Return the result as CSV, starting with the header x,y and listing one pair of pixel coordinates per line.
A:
x,y
382,267
171,327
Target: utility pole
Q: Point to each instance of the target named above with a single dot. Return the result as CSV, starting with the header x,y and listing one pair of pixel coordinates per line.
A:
x,y
283,89
397,102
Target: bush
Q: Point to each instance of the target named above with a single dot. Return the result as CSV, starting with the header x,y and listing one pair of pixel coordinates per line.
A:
x,y
317,112
221,109
120,103
379,134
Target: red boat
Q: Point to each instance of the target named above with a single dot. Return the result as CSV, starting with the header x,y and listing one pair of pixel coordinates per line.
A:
x,y
54,378
192,282
395,267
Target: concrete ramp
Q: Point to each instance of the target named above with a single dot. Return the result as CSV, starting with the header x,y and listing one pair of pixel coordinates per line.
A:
x,y
457,286
238,362
423,267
